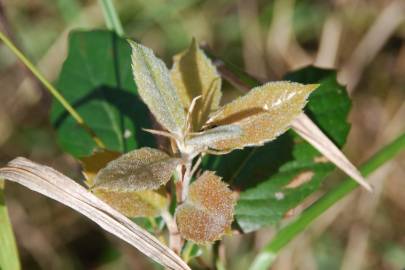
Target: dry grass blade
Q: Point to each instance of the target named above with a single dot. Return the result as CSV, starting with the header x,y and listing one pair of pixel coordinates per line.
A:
x,y
57,186
311,133
373,41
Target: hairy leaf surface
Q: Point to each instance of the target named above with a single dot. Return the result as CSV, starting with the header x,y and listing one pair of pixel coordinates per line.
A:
x,y
94,163
278,176
141,169
146,203
263,114
268,202
210,137
193,75
208,210
156,88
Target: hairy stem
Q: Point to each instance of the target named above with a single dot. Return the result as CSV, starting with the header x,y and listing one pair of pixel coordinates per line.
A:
x,y
186,180
51,89
175,240
269,253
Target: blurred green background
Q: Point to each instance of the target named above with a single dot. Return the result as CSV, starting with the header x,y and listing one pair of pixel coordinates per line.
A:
x,y
363,39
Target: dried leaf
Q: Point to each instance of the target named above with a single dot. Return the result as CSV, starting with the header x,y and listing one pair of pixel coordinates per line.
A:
x,y
94,163
263,114
55,185
141,169
147,203
193,75
208,211
156,88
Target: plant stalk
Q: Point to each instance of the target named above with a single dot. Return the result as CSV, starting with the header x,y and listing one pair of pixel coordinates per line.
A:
x,y
175,240
269,253
111,17
186,181
51,89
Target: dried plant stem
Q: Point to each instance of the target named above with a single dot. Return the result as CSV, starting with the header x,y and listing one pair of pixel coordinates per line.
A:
x,y
51,89
253,52
329,43
384,26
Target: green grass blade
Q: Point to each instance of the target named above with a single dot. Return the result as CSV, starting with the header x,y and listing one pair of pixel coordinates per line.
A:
x,y
9,258
50,88
269,253
111,17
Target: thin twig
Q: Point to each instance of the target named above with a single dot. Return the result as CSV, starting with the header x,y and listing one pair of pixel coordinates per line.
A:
x,y
253,52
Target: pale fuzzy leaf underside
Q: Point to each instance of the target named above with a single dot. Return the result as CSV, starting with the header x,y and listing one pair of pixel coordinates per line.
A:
x,y
55,185
207,139
156,88
263,114
208,211
141,169
146,203
193,75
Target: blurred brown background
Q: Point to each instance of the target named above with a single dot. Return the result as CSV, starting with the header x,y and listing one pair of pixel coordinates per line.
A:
x,y
364,40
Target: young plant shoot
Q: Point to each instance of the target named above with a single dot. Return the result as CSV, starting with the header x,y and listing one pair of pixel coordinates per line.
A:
x,y
185,101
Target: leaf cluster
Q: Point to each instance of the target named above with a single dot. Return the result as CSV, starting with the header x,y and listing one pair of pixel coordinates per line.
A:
x,y
185,103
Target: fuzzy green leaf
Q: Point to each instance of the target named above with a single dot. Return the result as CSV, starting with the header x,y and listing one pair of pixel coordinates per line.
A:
x,y
156,88
193,75
145,203
209,138
263,114
142,169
